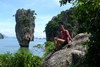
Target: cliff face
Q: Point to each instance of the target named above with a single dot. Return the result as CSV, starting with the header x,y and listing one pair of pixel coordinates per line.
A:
x,y
65,18
1,36
67,56
25,23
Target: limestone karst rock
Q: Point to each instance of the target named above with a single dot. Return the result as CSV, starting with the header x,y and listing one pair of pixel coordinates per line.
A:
x,y
25,23
65,17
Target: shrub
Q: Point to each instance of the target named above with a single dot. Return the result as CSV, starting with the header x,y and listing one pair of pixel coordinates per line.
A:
x,y
49,46
19,60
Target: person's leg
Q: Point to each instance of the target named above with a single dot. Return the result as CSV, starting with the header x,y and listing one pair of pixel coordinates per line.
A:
x,y
58,41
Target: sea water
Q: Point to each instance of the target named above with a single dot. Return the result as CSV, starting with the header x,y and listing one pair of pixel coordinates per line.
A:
x,y
11,45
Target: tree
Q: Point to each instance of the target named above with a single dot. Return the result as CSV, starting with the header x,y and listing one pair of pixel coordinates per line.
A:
x,y
67,19
87,12
63,2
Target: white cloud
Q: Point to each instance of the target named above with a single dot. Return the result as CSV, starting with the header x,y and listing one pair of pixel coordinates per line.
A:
x,y
56,2
44,18
8,32
6,24
7,28
39,33
40,23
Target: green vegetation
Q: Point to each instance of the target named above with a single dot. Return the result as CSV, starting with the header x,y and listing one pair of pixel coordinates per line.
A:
x,y
66,18
39,46
83,17
87,14
20,59
49,46
27,22
24,58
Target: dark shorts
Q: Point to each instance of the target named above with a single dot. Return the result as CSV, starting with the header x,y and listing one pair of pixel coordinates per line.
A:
x,y
65,42
62,45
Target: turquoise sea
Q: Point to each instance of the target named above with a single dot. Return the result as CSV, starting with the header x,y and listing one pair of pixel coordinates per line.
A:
x,y
11,45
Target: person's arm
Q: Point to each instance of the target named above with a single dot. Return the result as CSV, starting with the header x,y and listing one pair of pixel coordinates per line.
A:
x,y
67,32
70,37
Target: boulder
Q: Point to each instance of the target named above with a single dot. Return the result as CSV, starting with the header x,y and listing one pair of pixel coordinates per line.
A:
x,y
67,56
25,23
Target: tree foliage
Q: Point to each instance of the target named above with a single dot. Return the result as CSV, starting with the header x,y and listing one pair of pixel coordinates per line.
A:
x,y
66,18
63,2
19,60
87,12
49,46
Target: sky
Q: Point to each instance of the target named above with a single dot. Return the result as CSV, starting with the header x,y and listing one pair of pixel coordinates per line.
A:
x,y
45,10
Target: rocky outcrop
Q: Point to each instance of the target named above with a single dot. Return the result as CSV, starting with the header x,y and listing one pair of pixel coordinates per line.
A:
x,y
67,56
67,19
1,36
25,23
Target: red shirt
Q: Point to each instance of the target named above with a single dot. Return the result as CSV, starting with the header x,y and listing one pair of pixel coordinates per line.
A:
x,y
65,35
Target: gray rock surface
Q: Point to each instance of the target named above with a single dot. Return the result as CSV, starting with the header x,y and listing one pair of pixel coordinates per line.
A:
x,y
25,23
67,56
1,36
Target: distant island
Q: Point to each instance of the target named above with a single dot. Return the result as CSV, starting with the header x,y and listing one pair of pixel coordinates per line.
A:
x,y
1,36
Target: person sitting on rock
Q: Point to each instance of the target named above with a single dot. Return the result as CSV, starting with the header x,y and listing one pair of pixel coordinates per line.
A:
x,y
64,38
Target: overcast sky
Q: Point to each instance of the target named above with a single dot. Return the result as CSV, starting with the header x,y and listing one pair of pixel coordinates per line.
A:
x,y
45,10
